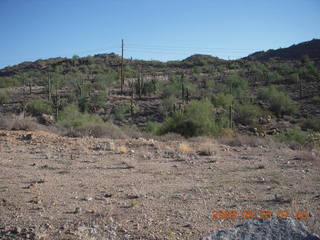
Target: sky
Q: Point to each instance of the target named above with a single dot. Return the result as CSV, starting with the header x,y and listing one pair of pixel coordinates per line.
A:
x,y
152,29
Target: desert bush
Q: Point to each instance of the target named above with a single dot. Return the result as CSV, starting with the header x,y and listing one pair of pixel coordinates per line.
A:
x,y
97,130
313,124
280,102
185,148
316,100
223,100
207,148
18,123
238,140
168,137
92,103
247,113
175,87
39,106
167,105
122,110
3,97
236,83
153,127
132,131
274,77
71,117
293,137
310,156
7,82
196,120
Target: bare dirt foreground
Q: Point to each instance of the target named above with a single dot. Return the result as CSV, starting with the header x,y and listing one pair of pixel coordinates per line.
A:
x,y
54,187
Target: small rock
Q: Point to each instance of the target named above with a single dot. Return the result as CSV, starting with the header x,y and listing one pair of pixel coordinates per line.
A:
x,y
27,137
87,199
17,230
112,234
107,195
77,210
127,237
188,225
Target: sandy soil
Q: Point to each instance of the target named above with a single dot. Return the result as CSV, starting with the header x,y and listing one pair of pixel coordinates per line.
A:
x,y
54,187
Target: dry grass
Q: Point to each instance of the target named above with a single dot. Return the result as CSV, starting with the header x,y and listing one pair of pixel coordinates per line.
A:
x,y
227,133
122,150
170,137
185,148
310,156
98,130
207,149
18,122
246,140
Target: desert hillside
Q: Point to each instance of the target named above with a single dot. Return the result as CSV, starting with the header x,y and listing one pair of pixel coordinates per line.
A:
x,y
104,147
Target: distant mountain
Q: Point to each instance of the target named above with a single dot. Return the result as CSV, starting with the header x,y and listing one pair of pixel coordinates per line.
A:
x,y
202,59
310,48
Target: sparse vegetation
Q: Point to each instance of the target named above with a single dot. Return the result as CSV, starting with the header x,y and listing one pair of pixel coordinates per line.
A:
x,y
196,120
71,117
316,100
247,113
3,97
294,136
312,124
280,103
39,106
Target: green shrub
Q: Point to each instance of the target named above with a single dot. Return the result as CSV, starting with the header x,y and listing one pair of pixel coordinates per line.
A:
x,y
98,130
196,120
294,136
247,113
3,97
92,103
7,82
223,100
316,100
167,105
313,124
71,117
274,77
39,106
237,83
280,102
124,109
153,127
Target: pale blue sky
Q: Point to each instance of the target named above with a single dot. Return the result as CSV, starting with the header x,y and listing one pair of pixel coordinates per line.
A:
x,y
152,29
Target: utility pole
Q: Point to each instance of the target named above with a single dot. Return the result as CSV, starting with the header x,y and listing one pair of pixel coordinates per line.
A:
x,y
121,70
49,86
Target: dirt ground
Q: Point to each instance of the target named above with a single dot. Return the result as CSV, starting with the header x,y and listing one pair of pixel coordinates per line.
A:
x,y
54,187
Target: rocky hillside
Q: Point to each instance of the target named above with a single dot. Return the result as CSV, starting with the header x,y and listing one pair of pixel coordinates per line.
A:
x,y
294,52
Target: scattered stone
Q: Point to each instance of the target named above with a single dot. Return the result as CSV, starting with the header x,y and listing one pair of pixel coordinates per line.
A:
x,y
17,230
27,137
86,199
77,210
127,237
274,228
187,225
107,195
46,119
112,234
82,228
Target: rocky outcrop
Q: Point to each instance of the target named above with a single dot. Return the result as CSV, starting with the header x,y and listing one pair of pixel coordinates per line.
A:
x,y
271,229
